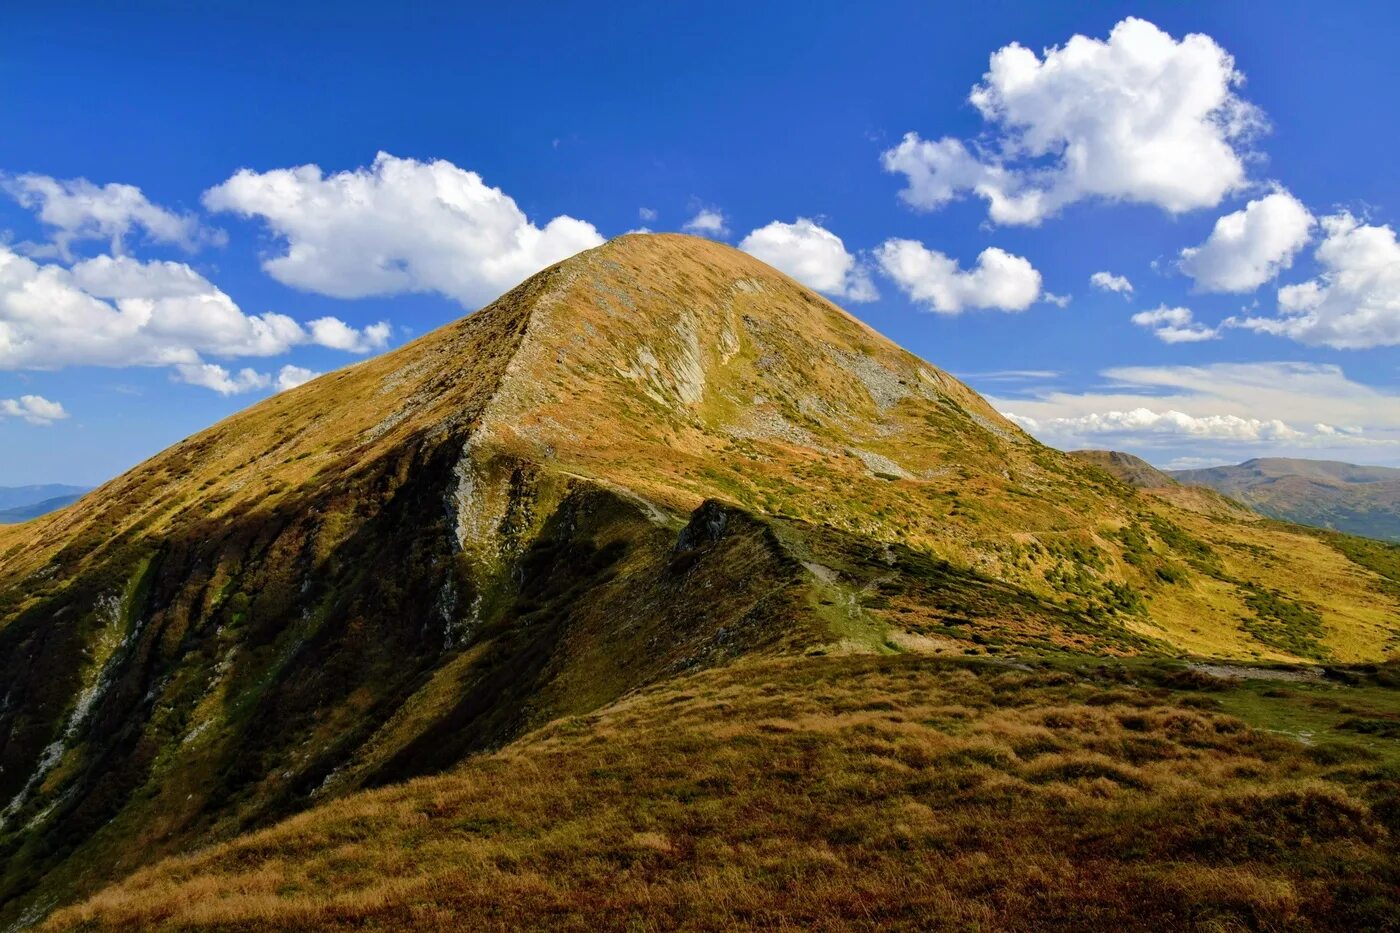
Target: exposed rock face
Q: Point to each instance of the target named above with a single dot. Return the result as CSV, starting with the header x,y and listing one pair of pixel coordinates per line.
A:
x,y
655,456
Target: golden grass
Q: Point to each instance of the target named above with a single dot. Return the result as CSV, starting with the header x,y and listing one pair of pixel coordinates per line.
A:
x,y
1361,620
830,794
640,367
635,364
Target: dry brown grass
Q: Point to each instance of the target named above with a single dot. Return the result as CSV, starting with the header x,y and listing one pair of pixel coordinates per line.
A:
x,y
658,371
641,365
831,794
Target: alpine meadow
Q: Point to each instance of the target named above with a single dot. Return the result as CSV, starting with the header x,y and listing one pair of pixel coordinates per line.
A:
x,y
627,575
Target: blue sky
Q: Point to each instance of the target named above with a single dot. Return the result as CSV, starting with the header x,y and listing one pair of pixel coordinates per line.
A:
x,y
245,251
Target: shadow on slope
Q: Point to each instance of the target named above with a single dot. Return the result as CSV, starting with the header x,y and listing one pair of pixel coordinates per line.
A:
x,y
898,793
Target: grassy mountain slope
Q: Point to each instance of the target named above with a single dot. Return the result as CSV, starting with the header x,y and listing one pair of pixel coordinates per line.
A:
x,y
656,457
856,792
1359,500
1140,474
1134,471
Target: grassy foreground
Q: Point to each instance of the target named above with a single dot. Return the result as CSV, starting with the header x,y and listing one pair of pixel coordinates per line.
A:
x,y
857,792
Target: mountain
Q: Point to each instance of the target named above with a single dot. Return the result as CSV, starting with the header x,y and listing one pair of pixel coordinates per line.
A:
x,y
650,464
1132,470
24,513
1359,500
1140,474
14,497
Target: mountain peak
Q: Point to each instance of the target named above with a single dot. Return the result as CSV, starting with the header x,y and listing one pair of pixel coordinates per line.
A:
x,y
656,456
683,369
674,366
1130,469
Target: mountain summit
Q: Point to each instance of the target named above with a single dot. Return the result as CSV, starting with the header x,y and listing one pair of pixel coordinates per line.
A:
x,y
656,457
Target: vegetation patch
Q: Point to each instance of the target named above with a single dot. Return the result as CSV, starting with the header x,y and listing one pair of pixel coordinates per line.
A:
x,y
897,791
1283,622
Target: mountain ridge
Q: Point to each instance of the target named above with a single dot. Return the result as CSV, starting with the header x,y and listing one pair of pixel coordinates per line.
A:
x,y
1132,470
1361,500
16,497
24,513
654,458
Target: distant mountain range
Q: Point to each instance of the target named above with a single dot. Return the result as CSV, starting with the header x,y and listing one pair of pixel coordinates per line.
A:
x,y
12,497
21,503
1360,500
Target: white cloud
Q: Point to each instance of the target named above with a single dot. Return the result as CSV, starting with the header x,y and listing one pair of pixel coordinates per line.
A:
x,y
1000,280
1286,409
292,376
939,171
398,226
1250,246
1195,463
119,311
1059,301
1108,282
1009,375
336,334
1175,325
707,222
1140,117
221,380
647,214
1146,421
814,256
77,209
32,408
1354,303
215,377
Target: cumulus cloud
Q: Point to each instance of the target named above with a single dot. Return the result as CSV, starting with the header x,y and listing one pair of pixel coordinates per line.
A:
x,y
1147,421
999,280
1247,408
77,209
939,171
1140,117
1059,301
337,335
225,382
1175,325
118,311
32,408
1250,246
1354,303
289,377
707,222
398,226
1108,282
814,256
217,378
